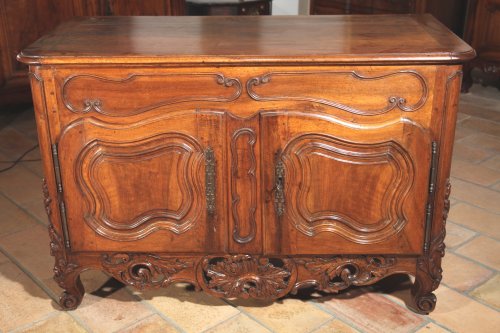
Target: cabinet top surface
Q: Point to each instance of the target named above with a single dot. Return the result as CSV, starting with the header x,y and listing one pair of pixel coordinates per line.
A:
x,y
374,39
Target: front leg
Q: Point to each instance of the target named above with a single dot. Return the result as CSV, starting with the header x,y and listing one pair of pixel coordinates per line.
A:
x,y
66,273
427,280
429,271
73,288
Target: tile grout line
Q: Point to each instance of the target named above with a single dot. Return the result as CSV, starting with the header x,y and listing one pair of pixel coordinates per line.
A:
x,y
37,281
247,314
42,286
135,323
475,261
35,218
33,323
340,316
476,232
491,187
468,291
485,236
481,185
472,298
221,322
324,324
471,204
154,309
427,318
419,327
472,259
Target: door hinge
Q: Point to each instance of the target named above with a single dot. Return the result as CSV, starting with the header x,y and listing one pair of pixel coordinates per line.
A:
x,y
429,210
60,198
210,180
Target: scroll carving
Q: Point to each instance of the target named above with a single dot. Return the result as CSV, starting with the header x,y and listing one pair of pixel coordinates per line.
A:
x,y
144,270
338,273
294,79
252,194
298,163
245,276
99,210
163,84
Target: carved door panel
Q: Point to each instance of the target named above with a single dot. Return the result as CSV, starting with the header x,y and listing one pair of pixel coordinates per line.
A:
x,y
335,187
152,183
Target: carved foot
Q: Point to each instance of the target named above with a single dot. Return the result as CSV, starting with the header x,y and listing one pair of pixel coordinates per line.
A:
x,y
66,273
424,304
423,300
72,297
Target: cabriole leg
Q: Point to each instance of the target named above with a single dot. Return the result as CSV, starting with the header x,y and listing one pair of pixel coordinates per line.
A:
x,y
423,298
72,296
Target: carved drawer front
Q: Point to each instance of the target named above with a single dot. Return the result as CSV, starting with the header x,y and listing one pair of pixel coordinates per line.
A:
x,y
106,93
363,92
151,184
336,189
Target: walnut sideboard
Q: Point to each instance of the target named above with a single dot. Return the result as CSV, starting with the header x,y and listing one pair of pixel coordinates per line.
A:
x,y
247,156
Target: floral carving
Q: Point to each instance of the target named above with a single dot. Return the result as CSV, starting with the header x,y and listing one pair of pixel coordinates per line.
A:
x,y
46,197
338,273
62,267
143,271
432,263
245,276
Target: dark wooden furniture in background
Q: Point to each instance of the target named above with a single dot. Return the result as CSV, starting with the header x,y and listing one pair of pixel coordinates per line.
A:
x,y
23,22
228,7
482,31
302,155
449,12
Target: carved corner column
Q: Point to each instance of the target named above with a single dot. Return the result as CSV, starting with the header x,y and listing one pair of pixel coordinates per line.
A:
x,y
428,271
66,273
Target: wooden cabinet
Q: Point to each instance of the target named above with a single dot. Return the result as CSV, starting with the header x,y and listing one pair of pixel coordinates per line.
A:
x,y
182,154
449,12
22,22
335,7
228,7
483,32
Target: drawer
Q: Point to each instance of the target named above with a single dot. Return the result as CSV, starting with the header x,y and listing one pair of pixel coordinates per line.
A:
x,y
120,94
360,91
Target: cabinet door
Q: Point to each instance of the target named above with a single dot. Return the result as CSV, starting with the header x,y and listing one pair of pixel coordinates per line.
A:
x,y
335,187
145,186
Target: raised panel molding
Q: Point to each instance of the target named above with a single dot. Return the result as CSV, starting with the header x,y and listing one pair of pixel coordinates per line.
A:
x,y
294,79
98,206
251,139
296,160
209,87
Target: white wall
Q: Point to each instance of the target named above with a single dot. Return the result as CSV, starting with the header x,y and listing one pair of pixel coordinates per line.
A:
x,y
285,7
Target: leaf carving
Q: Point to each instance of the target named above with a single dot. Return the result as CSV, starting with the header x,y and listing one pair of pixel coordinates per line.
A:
x,y
244,276
143,271
338,273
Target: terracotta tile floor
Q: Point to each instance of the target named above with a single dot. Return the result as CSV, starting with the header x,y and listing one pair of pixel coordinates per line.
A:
x,y
468,298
